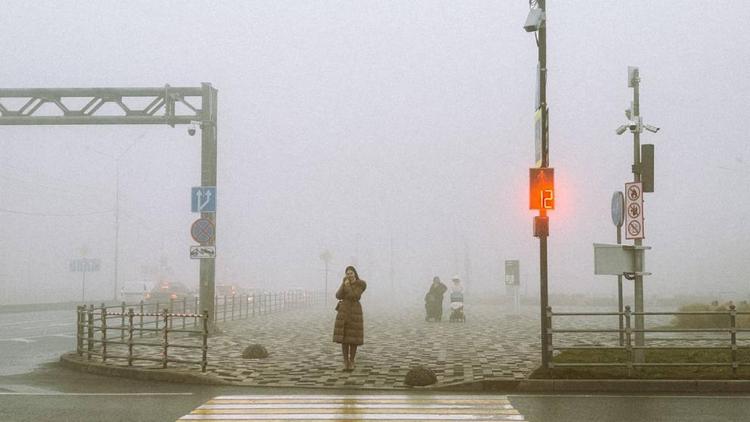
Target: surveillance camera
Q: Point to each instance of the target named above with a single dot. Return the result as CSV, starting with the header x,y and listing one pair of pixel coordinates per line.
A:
x,y
652,129
534,20
620,130
191,130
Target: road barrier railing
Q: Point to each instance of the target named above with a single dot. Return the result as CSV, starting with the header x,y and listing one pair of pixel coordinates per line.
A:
x,y
132,331
628,345
243,306
95,326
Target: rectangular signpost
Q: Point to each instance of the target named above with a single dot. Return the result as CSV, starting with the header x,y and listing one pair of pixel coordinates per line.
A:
x,y
512,282
84,265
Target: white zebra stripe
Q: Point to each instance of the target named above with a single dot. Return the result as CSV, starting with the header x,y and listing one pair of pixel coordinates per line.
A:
x,y
379,408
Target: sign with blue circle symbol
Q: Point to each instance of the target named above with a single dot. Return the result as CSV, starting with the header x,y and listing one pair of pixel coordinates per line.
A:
x,y
203,199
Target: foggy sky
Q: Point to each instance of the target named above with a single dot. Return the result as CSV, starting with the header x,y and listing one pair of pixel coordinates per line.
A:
x,y
351,126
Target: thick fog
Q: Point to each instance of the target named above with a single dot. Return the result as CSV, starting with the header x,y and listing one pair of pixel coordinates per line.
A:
x,y
397,135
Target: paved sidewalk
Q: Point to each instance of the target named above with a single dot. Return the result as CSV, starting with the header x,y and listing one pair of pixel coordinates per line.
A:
x,y
491,344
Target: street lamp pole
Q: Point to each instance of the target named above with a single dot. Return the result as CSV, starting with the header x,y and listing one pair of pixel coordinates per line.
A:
x,y
117,226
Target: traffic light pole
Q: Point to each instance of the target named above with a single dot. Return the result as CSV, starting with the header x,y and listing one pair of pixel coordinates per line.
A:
x,y
543,219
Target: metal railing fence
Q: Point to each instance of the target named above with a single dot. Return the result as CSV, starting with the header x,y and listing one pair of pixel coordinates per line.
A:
x,y
95,325
102,329
627,335
230,308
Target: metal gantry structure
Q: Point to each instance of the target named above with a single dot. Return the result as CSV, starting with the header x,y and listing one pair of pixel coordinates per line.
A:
x,y
128,106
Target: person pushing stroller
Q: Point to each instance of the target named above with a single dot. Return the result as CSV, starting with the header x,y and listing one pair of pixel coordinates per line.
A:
x,y
457,301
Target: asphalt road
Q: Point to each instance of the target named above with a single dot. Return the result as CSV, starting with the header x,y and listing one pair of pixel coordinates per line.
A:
x,y
31,338
53,393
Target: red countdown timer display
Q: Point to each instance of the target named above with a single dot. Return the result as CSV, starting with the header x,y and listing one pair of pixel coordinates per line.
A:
x,y
542,188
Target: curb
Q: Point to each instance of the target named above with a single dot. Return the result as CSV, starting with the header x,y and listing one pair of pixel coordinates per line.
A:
x,y
72,361
499,385
559,386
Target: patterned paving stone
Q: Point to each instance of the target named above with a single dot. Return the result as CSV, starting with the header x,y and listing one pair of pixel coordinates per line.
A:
x,y
489,344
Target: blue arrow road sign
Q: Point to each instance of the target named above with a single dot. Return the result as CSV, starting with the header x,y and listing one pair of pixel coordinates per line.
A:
x,y
203,199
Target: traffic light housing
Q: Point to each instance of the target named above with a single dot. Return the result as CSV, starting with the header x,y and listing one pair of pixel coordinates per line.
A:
x,y
542,188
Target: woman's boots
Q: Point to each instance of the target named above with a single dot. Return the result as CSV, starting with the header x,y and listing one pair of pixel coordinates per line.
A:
x,y
349,351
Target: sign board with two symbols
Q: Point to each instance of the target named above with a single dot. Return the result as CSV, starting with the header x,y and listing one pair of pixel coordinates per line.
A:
x,y
634,228
203,231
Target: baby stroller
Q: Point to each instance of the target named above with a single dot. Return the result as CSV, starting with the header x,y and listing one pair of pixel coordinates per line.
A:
x,y
457,307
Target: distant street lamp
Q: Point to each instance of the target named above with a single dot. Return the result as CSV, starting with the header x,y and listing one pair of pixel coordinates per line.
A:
x,y
117,158
326,256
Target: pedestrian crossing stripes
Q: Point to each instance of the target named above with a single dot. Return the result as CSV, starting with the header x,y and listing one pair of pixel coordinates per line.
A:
x,y
381,408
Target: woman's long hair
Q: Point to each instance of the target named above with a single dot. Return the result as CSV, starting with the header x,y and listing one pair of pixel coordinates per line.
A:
x,y
353,269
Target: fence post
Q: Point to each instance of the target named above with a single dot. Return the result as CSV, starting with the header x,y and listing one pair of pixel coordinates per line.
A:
x,y
733,332
628,340
195,311
103,311
122,320
90,335
254,302
79,329
130,337
165,342
140,320
156,314
216,309
548,338
204,358
171,311
240,306
233,307
184,310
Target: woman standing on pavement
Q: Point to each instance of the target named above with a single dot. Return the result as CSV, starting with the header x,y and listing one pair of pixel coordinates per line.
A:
x,y
349,327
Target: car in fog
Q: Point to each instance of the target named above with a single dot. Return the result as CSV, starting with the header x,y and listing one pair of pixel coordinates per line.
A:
x,y
133,292
169,290
229,290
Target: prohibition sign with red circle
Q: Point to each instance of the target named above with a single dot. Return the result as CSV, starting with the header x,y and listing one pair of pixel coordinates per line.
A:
x,y
634,228
634,210
202,230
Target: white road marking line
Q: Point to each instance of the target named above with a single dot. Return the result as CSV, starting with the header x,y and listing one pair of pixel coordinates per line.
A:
x,y
708,395
355,416
18,339
27,339
94,394
41,327
10,324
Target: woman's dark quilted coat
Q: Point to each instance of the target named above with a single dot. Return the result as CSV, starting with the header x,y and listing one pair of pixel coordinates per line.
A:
x,y
349,327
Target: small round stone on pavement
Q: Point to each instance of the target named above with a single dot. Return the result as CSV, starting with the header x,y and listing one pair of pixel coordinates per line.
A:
x,y
255,351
